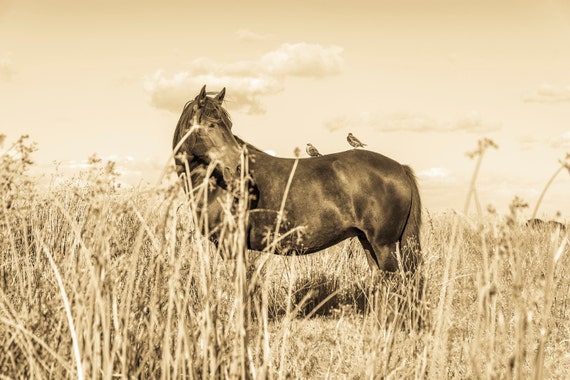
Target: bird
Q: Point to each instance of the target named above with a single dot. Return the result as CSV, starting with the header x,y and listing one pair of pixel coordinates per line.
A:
x,y
312,151
354,142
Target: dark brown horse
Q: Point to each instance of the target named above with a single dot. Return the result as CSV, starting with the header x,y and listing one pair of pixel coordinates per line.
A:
x,y
311,203
540,224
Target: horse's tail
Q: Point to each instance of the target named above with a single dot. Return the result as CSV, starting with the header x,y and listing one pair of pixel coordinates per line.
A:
x,y
410,247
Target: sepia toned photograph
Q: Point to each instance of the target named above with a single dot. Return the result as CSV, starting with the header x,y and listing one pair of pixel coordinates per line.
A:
x,y
285,189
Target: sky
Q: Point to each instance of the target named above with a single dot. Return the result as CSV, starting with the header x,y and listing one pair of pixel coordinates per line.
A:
x,y
419,81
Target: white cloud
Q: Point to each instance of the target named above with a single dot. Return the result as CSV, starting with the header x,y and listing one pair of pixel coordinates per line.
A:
x,y
472,122
248,35
131,171
435,172
409,121
168,92
243,92
561,141
528,142
304,60
247,81
363,119
548,93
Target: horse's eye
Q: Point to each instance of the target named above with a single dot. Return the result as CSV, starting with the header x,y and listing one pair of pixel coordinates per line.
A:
x,y
211,125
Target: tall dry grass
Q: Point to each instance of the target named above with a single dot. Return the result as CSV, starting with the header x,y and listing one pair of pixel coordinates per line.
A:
x,y
100,282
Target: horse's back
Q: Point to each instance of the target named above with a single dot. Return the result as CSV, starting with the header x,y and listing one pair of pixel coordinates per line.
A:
x,y
337,195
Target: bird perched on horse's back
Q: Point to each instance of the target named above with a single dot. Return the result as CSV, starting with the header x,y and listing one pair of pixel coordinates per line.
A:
x,y
312,151
354,142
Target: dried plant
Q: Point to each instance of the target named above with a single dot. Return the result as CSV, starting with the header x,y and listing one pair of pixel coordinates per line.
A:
x,y
482,146
99,281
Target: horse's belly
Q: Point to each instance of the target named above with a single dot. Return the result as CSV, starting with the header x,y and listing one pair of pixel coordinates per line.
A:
x,y
292,239
263,237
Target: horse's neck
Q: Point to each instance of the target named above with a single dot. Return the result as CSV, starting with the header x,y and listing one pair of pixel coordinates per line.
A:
x,y
198,172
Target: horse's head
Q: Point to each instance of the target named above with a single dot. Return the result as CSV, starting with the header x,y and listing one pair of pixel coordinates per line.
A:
x,y
206,127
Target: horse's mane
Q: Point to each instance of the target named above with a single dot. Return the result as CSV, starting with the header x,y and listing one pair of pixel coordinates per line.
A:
x,y
251,148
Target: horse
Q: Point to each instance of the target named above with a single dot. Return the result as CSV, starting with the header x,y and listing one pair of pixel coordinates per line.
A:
x,y
310,203
540,224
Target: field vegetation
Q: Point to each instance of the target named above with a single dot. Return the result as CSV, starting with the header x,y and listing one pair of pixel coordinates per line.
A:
x,y
102,282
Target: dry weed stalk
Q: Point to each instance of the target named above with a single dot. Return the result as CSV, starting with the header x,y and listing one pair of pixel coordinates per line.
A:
x,y
149,296
482,146
564,164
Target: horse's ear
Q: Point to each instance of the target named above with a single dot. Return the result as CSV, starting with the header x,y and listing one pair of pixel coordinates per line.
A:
x,y
202,93
220,97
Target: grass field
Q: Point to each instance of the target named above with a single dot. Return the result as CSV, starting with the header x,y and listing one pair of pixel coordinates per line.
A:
x,y
99,282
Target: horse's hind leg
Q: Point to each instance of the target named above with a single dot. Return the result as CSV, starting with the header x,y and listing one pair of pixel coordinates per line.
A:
x,y
409,286
370,255
404,286
379,256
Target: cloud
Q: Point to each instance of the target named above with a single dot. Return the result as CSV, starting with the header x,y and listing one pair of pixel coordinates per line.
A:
x,y
434,173
561,141
387,123
471,122
250,36
131,171
549,94
304,60
244,91
528,142
247,81
409,121
7,70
